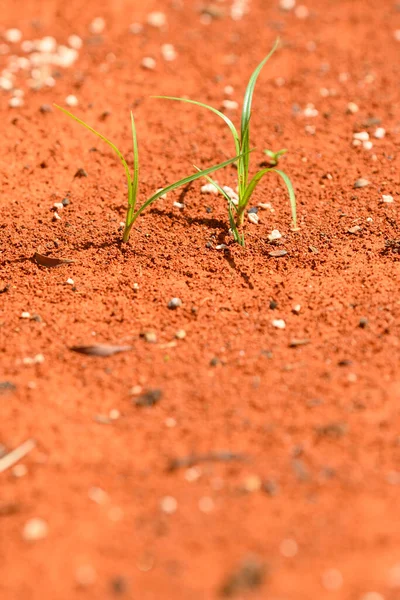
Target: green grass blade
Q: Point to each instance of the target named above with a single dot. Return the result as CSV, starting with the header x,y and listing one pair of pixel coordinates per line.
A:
x,y
117,152
257,178
184,181
231,207
135,182
212,109
246,109
292,195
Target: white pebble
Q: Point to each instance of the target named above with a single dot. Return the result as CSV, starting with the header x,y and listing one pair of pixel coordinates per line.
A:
x,y
206,504
310,111
362,136
19,471
35,529
168,505
114,414
58,205
287,4
85,575
372,596
98,495
310,129
6,84
253,218
25,315
179,205
192,474
296,309
228,90
352,108
231,193
170,422
357,143
301,12
56,216
70,281
136,28
386,198
13,36
209,188
221,247
35,360
380,133
288,548
71,100
47,44
279,323
168,52
15,102
274,235
156,19
148,63
97,25
230,104
280,81
332,580
75,42
367,145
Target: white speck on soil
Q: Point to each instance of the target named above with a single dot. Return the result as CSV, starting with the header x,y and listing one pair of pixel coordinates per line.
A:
x,y
148,63
136,390
114,414
19,471
296,309
157,19
279,323
209,188
97,26
179,205
15,102
253,218
387,198
380,133
372,596
169,505
332,580
288,548
287,4
136,28
70,281
231,193
168,52
252,483
230,104
25,315
75,42
180,334
71,100
13,36
301,12
56,216
367,145
170,422
38,359
228,90
35,529
274,235
174,303
310,111
98,495
221,247
361,136
192,474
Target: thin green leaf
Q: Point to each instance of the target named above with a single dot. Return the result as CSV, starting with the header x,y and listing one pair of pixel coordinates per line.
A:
x,y
117,152
214,110
135,182
246,110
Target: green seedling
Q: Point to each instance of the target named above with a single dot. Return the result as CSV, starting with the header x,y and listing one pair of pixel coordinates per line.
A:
x,y
273,157
132,178
246,186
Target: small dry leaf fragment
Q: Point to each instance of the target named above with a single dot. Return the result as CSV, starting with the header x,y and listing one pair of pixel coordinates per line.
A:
x,y
49,261
100,349
149,398
277,253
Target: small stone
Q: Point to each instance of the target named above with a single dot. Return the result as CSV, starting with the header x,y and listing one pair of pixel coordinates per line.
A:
x,y
289,548
157,19
169,505
35,529
174,303
97,26
380,133
332,580
274,235
277,253
209,188
363,322
253,218
180,334
301,12
25,315
279,323
149,336
13,36
360,183
296,309
361,136
149,398
6,84
71,100
56,216
75,42
19,471
81,173
206,504
15,102
273,305
170,422
168,52
228,90
114,414
221,247
287,4
252,483
230,104
136,287
70,281
98,495
388,199
310,111
85,575
65,202
136,390
231,193
179,205
352,108
58,205
367,145
354,229
148,63
192,474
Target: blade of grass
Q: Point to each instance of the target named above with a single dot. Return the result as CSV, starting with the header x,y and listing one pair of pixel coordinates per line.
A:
x,y
246,110
135,183
117,152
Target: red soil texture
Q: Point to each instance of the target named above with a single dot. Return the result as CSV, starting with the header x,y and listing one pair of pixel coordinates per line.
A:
x,y
287,476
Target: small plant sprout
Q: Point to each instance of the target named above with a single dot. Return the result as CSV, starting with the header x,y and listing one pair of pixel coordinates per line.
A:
x,y
132,178
273,157
246,185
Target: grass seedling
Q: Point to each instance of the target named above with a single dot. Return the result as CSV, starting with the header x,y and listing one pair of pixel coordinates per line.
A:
x,y
246,186
132,178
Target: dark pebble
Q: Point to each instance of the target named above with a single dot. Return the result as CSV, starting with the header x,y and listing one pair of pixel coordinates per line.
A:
x,y
253,209
81,173
363,322
45,108
66,202
149,398
174,303
273,305
7,386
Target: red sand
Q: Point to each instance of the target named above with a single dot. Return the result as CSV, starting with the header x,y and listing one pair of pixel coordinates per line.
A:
x,y
318,424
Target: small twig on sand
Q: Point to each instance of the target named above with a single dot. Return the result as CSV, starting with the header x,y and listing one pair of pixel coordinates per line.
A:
x,y
15,455
193,459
